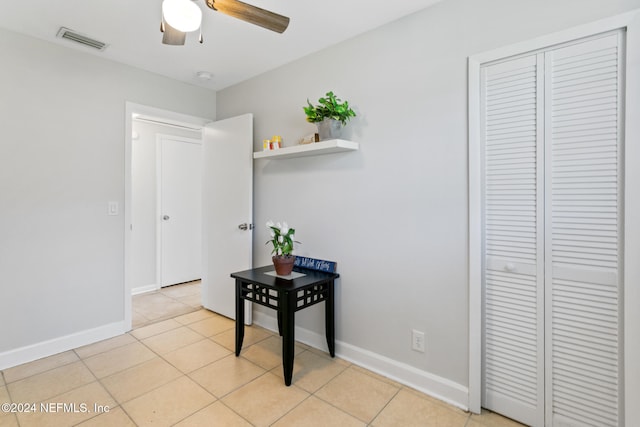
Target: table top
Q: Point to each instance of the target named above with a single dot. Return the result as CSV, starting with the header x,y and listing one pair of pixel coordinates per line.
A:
x,y
258,275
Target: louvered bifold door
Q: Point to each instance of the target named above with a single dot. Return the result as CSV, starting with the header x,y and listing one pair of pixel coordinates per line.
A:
x,y
513,341
583,191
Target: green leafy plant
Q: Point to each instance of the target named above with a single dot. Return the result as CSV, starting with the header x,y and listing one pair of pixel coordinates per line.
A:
x,y
282,238
329,107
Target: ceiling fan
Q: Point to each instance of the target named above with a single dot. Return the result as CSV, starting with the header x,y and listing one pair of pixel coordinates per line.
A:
x,y
182,16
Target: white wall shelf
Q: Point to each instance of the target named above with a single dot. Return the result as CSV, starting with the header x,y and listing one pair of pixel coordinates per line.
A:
x,y
314,149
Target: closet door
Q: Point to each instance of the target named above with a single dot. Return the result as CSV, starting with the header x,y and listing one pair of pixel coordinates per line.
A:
x,y
584,229
513,275
552,150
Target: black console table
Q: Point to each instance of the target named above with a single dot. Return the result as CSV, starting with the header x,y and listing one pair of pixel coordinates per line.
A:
x,y
286,296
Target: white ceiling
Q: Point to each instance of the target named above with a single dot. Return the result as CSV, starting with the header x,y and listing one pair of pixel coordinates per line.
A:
x,y
233,50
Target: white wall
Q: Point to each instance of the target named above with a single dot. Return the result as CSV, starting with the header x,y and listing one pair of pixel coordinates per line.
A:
x,y
394,214
62,158
145,201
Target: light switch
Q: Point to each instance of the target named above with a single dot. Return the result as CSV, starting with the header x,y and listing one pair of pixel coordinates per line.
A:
x,y
113,208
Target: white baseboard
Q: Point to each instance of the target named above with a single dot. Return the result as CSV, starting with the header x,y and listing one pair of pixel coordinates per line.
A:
x,y
433,385
436,386
32,352
144,289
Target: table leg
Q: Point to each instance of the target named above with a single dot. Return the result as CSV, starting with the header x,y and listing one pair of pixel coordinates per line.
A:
x,y
288,334
329,319
239,317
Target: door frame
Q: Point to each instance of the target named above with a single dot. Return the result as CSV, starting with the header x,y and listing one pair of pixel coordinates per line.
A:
x,y
167,116
159,235
631,268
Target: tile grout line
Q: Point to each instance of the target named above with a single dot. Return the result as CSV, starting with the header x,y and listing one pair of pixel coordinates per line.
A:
x,y
185,374
310,350
160,356
6,385
94,376
331,404
384,406
293,408
216,399
334,406
266,372
98,380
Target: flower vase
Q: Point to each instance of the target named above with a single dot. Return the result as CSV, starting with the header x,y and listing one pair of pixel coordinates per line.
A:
x,y
283,264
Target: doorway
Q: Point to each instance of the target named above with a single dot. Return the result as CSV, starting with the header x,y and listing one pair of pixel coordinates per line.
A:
x,y
227,196
143,125
166,205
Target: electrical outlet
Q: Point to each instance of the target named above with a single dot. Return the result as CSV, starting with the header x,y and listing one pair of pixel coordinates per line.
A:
x,y
417,341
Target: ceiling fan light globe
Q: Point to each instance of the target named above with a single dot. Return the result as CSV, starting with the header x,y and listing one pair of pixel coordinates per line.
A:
x,y
183,15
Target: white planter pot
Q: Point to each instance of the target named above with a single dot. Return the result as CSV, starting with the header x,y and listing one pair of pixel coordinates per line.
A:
x,y
329,129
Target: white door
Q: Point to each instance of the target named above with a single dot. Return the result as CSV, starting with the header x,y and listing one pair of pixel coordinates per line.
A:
x,y
584,229
227,213
553,228
180,249
513,283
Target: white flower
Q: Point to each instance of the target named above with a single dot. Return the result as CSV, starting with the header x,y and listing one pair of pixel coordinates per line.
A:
x,y
284,229
279,226
273,234
279,251
270,224
280,239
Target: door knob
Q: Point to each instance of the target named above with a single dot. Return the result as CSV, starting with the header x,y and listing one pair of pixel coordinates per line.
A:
x,y
166,217
243,226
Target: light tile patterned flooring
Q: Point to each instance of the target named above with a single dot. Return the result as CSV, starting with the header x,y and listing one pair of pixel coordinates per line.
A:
x,y
177,367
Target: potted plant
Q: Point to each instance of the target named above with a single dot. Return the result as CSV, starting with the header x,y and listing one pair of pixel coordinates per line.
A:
x,y
330,115
282,240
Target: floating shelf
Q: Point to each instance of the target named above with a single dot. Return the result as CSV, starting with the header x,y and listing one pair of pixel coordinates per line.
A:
x,y
314,149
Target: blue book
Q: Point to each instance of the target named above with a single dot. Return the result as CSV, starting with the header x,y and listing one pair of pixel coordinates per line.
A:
x,y
315,264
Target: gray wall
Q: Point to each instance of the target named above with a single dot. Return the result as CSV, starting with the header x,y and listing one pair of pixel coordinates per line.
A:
x,y
394,214
62,158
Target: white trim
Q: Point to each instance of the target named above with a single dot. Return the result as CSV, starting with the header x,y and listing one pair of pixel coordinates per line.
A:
x,y
441,388
630,21
42,349
564,36
632,224
475,241
158,214
145,289
128,218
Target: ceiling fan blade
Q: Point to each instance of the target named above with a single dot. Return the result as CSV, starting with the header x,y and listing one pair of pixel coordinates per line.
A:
x,y
252,14
172,36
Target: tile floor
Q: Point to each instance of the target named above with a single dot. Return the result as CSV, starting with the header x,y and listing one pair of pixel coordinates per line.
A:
x,y
177,367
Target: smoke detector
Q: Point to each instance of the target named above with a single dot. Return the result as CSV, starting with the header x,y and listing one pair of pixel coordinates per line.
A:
x,y
204,75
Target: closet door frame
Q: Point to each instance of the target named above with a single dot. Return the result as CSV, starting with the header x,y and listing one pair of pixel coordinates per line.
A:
x,y
631,277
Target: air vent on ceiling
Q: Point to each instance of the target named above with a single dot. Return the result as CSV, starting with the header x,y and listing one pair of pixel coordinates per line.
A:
x,y
66,33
